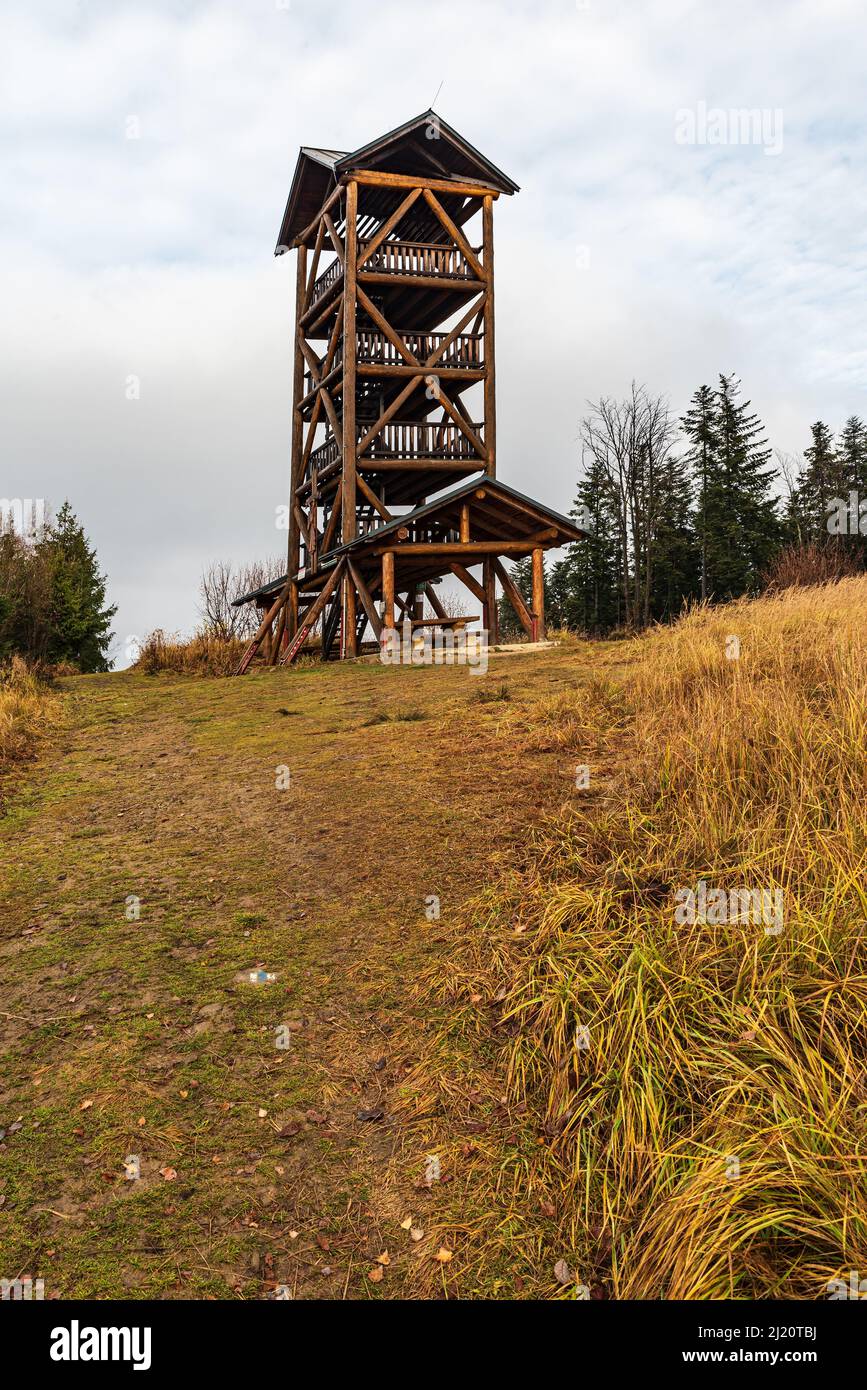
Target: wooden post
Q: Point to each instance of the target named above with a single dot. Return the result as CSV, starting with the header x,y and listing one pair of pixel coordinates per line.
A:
x,y
293,556
490,362
465,524
350,452
292,618
539,593
516,598
490,611
388,589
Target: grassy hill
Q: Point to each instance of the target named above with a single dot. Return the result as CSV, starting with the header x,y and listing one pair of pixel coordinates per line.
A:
x,y
555,1081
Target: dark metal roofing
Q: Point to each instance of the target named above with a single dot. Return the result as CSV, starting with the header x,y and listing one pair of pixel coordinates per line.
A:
x,y
317,170
374,538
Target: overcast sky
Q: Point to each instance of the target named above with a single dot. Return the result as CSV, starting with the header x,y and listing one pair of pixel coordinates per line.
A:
x,y
629,252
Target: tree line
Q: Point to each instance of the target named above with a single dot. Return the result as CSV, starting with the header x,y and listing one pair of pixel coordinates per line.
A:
x,y
52,595
698,508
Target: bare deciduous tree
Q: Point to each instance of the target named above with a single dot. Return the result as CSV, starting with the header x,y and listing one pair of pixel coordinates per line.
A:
x,y
630,441
221,584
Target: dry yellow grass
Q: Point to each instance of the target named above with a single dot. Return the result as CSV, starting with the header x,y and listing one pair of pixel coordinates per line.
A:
x,y
685,1104
201,655
27,710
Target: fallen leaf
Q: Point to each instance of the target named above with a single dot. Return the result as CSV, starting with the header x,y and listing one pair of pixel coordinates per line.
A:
x,y
417,1233
86,1105
405,1225
370,1116
168,1174
375,1275
562,1272
443,1255
384,1258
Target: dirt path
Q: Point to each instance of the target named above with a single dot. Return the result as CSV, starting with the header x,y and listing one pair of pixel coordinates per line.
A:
x,y
142,1037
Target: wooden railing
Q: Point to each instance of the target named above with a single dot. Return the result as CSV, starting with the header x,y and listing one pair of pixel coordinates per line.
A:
x,y
373,348
467,350
323,456
400,258
328,278
417,258
402,439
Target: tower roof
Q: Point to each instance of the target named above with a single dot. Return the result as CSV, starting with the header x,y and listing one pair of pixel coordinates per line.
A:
x,y
409,149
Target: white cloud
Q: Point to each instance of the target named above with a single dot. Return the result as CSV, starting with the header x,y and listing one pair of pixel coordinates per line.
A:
x,y
153,256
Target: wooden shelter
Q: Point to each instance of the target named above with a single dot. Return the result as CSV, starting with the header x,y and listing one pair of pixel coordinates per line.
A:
x,y
394,327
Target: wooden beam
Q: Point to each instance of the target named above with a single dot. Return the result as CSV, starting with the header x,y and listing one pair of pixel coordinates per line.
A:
x,y
458,328
428,282
331,528
312,615
454,232
453,549
461,424
387,414
317,252
349,446
490,357
296,467
367,602
378,179
370,496
385,327
395,369
515,597
388,589
388,227
433,599
539,594
489,614
466,578
263,628
335,239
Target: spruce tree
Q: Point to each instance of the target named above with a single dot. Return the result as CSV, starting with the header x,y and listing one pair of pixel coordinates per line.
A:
x,y
821,482
79,629
852,456
743,528
699,425
677,567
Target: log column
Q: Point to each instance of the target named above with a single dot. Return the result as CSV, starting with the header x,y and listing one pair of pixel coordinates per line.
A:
x,y
490,363
297,435
539,593
388,589
350,448
489,582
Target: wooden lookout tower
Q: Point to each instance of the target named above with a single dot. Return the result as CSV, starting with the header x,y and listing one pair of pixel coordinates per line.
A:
x,y
394,433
